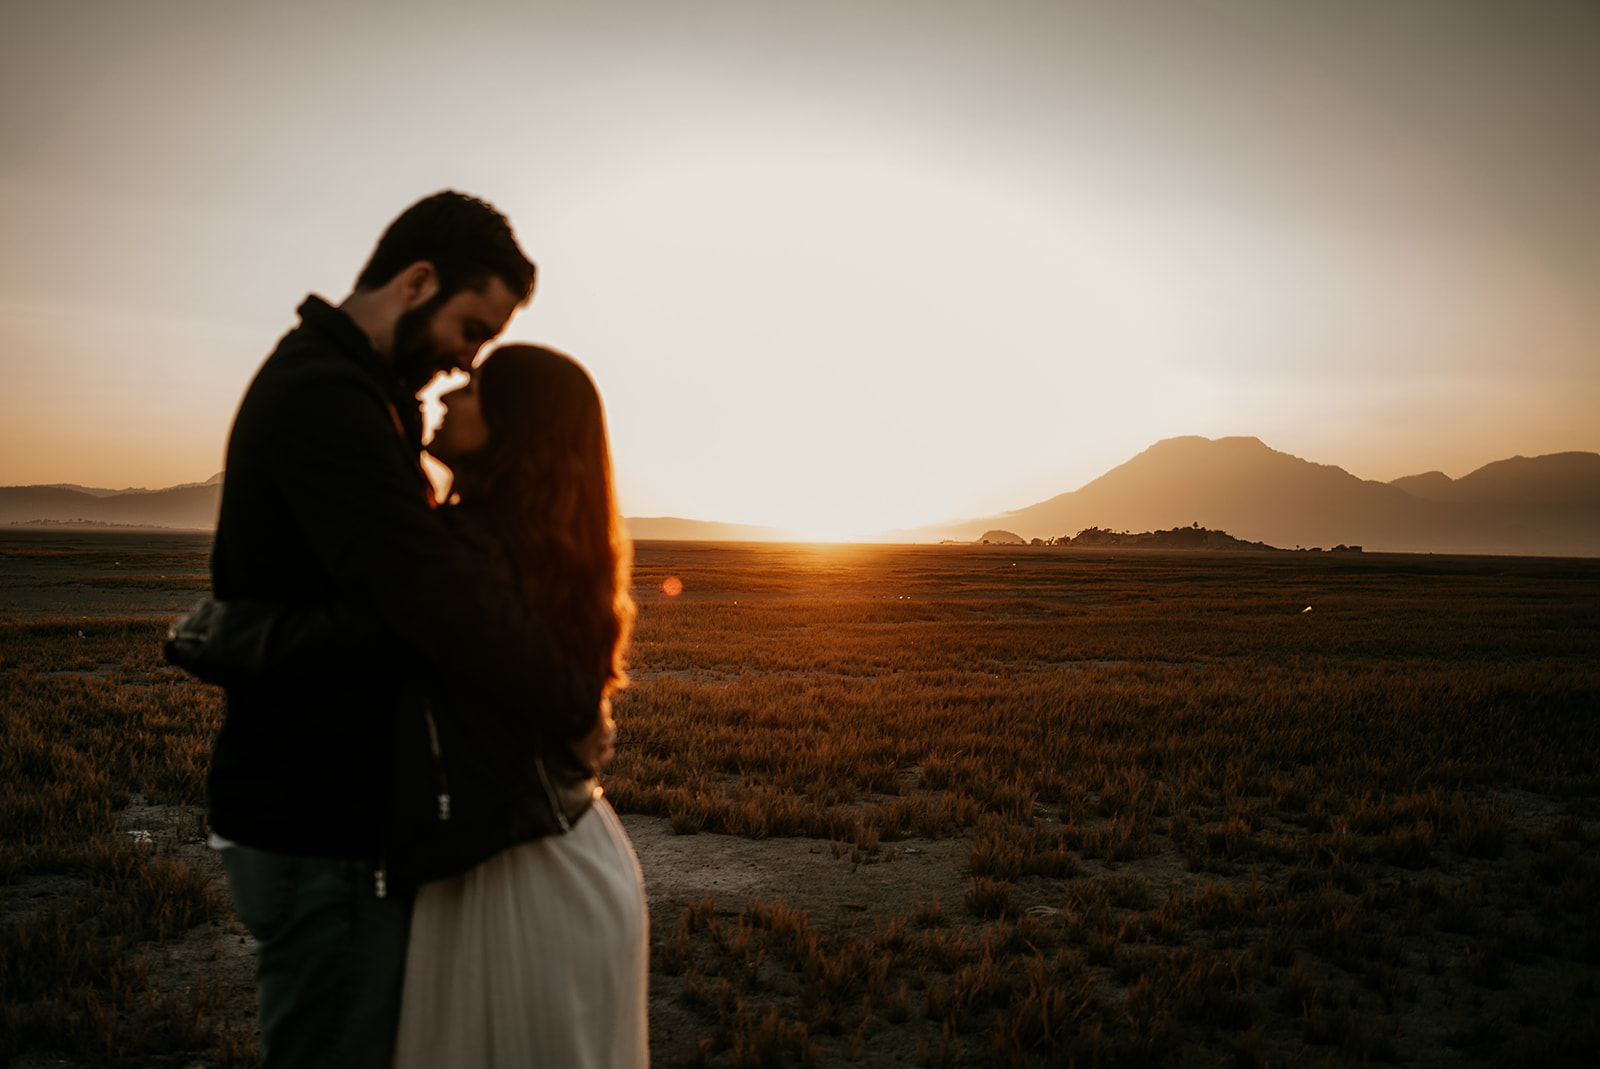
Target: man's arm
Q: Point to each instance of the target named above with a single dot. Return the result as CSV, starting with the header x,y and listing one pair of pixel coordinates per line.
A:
x,y
347,478
259,643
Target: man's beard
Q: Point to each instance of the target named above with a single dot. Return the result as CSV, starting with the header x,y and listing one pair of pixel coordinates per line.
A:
x,y
416,360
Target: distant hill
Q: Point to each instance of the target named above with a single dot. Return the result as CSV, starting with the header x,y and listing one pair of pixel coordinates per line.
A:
x,y
192,506
1564,480
1541,505
1430,486
671,528
101,491
1192,537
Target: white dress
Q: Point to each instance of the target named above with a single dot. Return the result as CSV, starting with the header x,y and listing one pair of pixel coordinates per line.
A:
x,y
537,957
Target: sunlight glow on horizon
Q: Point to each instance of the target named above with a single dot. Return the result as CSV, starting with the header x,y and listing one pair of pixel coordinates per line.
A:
x,y
830,531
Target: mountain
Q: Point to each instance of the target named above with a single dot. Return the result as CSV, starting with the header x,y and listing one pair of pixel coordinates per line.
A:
x,y
1557,494
101,491
1557,479
1541,506
192,506
1430,485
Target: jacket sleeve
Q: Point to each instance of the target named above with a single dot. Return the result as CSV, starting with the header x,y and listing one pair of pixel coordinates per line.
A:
x,y
347,476
257,643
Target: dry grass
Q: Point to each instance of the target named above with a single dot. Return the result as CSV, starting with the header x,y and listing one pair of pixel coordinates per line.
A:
x,y
88,720
1203,825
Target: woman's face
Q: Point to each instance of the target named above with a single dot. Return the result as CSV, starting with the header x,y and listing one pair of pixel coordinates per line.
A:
x,y
463,431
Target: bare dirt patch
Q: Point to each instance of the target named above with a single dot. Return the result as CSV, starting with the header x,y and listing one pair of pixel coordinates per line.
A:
x,y
218,957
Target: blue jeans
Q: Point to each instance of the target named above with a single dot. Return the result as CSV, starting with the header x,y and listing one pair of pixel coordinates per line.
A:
x,y
330,957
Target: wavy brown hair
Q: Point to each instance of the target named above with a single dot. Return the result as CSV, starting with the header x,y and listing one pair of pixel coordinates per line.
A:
x,y
544,482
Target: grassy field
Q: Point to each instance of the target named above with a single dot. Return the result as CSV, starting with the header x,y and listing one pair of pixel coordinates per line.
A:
x,y
97,924
1202,824
1207,825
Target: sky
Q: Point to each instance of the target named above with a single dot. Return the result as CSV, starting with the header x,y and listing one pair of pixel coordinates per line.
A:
x,y
836,266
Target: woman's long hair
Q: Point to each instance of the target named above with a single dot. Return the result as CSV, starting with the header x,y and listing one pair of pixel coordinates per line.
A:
x,y
544,482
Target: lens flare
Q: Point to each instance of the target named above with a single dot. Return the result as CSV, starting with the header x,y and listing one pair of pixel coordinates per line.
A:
x,y
672,586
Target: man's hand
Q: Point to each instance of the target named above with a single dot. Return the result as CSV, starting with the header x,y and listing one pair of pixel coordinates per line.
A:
x,y
595,750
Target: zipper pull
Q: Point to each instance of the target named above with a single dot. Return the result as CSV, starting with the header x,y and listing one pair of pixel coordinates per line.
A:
x,y
380,883
438,759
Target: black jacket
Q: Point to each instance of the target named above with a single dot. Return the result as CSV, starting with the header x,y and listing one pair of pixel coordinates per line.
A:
x,y
469,780
324,502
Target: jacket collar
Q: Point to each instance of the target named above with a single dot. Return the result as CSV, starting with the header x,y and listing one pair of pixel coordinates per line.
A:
x,y
337,327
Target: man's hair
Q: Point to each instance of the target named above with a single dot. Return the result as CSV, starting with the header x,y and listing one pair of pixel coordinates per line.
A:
x,y
465,240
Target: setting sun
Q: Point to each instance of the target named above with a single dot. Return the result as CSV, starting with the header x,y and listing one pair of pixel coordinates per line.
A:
x,y
844,528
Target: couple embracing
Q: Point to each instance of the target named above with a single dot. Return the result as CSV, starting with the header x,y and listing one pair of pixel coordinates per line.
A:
x,y
418,696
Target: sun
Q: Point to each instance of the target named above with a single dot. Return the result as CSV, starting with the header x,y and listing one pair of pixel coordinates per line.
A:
x,y
836,530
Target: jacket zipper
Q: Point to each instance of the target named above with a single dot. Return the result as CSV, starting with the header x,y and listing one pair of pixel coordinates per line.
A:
x,y
438,759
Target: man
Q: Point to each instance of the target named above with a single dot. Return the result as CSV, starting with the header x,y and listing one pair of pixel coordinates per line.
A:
x,y
325,502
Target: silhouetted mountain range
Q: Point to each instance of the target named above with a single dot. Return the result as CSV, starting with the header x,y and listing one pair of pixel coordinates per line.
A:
x,y
1548,505
192,506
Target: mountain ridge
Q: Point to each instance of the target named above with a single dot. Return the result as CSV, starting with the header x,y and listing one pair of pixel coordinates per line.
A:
x,y
1545,505
193,507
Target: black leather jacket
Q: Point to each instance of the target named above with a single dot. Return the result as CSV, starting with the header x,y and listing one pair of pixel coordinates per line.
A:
x,y
325,504
469,778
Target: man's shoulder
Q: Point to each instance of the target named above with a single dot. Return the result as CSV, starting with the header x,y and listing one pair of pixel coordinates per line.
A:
x,y
305,350
324,342
306,388
307,359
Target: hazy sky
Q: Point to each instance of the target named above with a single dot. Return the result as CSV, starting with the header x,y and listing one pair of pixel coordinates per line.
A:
x,y
835,265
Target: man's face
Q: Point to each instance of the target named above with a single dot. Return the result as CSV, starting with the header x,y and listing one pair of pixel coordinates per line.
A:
x,y
442,335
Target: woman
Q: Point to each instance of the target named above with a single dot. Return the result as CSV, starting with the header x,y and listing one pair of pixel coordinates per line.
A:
x,y
537,956
532,947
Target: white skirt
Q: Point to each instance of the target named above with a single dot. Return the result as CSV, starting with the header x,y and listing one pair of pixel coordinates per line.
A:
x,y
537,957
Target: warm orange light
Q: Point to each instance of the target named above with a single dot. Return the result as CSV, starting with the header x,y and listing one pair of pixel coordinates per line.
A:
x,y
840,528
672,586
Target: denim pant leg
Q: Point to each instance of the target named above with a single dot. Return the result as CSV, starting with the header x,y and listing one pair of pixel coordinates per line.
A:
x,y
330,957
